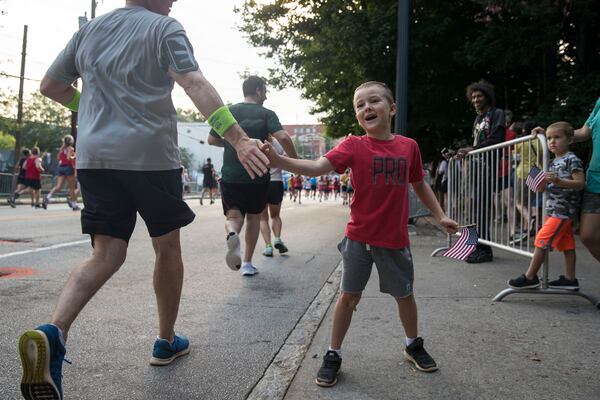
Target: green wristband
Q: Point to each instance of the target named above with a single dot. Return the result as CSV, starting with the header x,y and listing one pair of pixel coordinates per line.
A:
x,y
73,105
221,120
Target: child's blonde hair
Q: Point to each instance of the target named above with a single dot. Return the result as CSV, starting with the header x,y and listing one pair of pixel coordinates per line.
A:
x,y
563,127
389,96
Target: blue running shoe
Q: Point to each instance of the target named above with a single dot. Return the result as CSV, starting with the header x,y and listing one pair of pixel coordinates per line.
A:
x,y
42,356
165,353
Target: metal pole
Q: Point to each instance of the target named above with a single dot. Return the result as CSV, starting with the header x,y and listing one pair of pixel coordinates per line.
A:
x,y
19,131
400,122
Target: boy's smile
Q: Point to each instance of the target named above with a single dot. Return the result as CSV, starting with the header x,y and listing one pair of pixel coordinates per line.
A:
x,y
373,111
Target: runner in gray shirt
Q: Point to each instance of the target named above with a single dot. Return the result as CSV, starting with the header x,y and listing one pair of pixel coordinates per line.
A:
x,y
128,163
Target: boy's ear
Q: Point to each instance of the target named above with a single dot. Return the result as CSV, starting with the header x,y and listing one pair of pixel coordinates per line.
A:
x,y
393,109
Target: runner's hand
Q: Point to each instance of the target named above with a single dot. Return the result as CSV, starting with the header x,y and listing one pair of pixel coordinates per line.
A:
x,y
249,154
449,224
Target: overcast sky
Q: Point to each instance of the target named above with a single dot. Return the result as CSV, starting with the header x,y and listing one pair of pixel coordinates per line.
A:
x,y
222,52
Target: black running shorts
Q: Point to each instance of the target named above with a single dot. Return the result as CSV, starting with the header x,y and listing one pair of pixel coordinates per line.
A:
x,y
112,198
246,197
275,193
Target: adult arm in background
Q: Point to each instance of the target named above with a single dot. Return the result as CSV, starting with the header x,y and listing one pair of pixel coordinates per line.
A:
x,y
286,142
207,100
427,197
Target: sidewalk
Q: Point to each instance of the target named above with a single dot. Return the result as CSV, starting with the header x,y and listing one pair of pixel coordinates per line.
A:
x,y
525,347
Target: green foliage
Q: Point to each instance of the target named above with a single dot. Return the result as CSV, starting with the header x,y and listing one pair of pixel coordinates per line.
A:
x,y
45,122
7,142
187,158
189,115
543,57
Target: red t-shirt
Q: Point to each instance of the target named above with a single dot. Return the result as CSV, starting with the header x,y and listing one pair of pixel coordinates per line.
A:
x,y
63,157
381,171
31,171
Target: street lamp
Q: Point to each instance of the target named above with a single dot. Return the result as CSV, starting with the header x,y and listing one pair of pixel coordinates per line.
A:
x,y
400,122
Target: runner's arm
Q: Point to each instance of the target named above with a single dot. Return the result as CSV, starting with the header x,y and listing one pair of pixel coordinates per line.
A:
x,y
60,92
207,100
215,141
286,142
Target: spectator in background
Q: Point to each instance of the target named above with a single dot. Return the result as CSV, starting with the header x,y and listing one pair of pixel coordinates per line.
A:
x,y
526,154
505,175
440,186
489,128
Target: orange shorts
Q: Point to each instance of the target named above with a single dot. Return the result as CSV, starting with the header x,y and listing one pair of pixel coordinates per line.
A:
x,y
556,234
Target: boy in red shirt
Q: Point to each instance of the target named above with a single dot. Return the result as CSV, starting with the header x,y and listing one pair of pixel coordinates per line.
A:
x,y
382,165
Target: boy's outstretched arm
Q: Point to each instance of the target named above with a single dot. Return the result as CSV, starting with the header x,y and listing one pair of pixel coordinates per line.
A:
x,y
297,166
426,195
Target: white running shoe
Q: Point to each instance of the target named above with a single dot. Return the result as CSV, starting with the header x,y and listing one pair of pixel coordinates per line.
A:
x,y
249,270
233,258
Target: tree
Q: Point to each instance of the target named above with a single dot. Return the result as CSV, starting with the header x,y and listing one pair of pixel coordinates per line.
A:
x,y
45,122
543,57
187,158
7,142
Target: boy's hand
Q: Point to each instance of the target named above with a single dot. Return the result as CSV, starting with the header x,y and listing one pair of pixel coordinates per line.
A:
x,y
552,177
270,152
537,131
449,224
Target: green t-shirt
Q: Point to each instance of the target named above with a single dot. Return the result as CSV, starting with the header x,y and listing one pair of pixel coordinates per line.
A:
x,y
593,172
258,122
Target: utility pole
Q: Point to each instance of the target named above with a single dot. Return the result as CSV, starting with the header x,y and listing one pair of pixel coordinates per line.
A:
x,y
400,122
19,131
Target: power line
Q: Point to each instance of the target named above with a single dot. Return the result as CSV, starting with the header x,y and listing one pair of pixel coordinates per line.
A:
x,y
18,77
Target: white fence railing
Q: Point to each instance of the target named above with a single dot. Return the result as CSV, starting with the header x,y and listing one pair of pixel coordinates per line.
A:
x,y
487,188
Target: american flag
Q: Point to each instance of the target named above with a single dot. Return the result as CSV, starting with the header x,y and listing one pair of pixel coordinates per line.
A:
x,y
465,245
536,179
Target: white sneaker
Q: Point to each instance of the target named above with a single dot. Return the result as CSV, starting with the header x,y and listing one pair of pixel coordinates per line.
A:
x,y
249,270
233,258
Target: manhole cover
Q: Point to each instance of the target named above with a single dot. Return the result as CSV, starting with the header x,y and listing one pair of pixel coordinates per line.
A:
x,y
11,272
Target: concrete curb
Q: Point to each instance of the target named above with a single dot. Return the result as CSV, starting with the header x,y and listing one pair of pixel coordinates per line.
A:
x,y
282,370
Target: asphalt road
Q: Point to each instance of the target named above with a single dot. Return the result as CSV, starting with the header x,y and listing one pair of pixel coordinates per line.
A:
x,y
235,325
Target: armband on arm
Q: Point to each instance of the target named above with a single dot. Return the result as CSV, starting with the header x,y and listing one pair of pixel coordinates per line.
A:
x,y
221,120
73,105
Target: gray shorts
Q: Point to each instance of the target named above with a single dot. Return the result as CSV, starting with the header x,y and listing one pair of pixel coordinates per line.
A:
x,y
591,203
395,268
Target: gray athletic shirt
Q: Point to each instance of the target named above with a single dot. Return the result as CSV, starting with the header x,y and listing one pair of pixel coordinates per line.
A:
x,y
126,116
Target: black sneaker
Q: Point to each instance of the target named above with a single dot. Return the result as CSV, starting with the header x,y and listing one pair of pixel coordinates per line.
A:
x,y
563,283
523,283
45,203
480,256
330,369
416,354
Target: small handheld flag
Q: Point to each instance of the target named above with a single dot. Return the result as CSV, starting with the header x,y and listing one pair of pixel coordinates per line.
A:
x,y
536,179
465,245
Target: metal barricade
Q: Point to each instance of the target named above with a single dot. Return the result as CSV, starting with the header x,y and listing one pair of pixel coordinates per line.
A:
x,y
506,212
